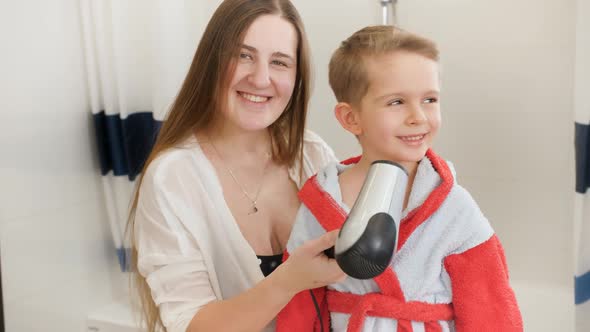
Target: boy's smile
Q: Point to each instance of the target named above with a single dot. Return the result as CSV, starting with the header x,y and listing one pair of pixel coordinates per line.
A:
x,y
414,140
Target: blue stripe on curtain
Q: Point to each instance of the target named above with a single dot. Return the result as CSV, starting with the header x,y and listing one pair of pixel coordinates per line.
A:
x,y
582,285
582,141
124,144
124,255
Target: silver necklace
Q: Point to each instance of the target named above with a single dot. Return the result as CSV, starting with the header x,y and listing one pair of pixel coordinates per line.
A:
x,y
231,173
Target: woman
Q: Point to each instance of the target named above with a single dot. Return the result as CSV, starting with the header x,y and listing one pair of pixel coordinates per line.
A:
x,y
218,196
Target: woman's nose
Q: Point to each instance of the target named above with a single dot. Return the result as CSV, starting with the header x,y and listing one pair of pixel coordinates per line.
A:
x,y
260,76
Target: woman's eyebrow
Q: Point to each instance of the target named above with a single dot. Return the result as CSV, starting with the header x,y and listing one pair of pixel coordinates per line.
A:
x,y
250,48
283,55
276,54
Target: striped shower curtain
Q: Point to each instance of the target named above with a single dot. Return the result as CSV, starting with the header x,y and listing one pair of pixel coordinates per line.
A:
x,y
582,148
136,55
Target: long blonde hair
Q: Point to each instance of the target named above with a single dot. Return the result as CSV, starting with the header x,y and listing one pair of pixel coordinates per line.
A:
x,y
203,93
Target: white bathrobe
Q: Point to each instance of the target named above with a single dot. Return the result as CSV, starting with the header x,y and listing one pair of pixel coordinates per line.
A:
x,y
448,261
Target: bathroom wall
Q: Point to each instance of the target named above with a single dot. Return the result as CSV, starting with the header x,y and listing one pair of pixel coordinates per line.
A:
x,y
57,257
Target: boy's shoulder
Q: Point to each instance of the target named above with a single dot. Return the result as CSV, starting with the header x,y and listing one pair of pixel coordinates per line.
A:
x,y
460,218
466,220
460,193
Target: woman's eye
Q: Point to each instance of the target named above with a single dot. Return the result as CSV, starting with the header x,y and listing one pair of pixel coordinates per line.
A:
x,y
395,102
279,63
430,100
245,56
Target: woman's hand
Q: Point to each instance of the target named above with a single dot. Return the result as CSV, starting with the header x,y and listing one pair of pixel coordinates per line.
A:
x,y
308,267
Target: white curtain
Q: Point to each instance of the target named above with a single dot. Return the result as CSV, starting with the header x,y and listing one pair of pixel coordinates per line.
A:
x,y
582,146
136,55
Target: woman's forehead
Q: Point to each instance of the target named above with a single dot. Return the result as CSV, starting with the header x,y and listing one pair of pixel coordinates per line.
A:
x,y
270,34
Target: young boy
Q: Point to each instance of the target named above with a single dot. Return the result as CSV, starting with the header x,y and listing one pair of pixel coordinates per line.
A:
x,y
449,271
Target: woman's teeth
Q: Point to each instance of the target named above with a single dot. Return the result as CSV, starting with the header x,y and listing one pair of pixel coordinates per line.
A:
x,y
254,98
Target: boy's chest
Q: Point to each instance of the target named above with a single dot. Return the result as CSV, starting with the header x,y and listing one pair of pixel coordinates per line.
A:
x,y
418,268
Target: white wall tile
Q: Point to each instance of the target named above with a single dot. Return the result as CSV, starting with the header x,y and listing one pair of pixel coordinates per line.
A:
x,y
56,171
46,249
48,141
502,56
62,307
533,222
539,301
517,145
58,260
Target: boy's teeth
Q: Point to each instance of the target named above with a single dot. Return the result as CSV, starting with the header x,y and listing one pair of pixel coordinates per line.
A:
x,y
254,98
412,138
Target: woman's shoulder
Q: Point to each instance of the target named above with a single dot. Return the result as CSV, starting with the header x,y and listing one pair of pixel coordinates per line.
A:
x,y
316,154
311,137
176,162
314,147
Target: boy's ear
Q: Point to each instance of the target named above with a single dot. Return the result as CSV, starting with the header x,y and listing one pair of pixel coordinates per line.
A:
x,y
349,118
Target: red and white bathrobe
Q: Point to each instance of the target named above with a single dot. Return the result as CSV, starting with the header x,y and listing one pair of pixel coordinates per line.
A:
x,y
448,274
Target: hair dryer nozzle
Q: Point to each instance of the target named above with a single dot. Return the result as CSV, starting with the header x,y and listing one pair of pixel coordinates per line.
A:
x,y
368,238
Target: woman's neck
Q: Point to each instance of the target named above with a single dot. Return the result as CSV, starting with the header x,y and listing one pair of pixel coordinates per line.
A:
x,y
238,142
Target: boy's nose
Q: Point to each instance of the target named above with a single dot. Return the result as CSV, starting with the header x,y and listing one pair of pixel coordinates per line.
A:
x,y
259,77
417,115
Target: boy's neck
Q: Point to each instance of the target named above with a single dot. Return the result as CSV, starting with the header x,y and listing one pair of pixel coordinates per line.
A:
x,y
352,179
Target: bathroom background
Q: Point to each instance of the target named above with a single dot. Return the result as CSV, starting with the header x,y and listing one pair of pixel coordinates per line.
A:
x,y
514,76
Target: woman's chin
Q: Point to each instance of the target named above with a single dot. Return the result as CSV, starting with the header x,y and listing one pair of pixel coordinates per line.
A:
x,y
255,125
257,122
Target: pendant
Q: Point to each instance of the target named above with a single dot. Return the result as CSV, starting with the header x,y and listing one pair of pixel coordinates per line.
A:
x,y
254,210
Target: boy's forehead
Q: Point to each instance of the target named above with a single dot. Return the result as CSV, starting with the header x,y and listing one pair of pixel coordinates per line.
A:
x,y
399,61
400,71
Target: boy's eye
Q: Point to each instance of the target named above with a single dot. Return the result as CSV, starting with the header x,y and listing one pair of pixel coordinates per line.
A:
x,y
430,100
395,102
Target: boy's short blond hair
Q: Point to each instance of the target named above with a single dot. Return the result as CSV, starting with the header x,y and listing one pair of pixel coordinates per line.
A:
x,y
348,76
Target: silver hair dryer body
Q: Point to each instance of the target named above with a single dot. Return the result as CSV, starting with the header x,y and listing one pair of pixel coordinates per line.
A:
x,y
368,238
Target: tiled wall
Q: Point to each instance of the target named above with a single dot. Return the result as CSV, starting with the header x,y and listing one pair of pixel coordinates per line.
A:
x,y
57,258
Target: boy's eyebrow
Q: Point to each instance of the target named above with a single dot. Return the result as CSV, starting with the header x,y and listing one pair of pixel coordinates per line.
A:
x,y
387,95
276,54
433,92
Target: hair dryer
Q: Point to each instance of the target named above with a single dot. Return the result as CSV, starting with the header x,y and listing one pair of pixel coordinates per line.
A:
x,y
368,238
